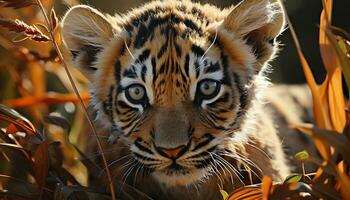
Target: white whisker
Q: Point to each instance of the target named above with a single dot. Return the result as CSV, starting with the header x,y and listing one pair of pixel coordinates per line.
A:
x,y
211,45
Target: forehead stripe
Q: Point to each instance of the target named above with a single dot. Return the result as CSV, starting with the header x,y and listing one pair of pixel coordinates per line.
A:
x,y
212,68
143,72
142,36
198,51
162,50
143,56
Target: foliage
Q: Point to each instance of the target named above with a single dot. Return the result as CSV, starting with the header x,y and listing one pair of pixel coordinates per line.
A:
x,y
38,163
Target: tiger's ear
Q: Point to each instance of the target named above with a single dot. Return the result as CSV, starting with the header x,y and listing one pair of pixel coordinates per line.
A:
x,y
85,31
259,22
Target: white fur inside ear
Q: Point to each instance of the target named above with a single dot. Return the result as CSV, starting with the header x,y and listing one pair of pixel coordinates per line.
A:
x,y
252,15
85,32
83,25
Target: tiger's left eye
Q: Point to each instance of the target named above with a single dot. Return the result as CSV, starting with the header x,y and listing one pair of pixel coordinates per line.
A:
x,y
135,93
209,88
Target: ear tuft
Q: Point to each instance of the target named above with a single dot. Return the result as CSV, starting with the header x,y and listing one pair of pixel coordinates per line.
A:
x,y
253,15
85,31
259,22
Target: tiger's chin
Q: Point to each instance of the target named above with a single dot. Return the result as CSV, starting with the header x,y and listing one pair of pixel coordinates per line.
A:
x,y
181,177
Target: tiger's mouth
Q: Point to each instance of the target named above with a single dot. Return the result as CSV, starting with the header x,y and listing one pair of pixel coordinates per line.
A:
x,y
196,163
184,172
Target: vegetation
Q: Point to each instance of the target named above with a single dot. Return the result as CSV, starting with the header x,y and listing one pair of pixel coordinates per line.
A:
x,y
37,156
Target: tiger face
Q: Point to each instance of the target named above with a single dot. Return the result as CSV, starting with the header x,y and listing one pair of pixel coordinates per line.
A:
x,y
175,78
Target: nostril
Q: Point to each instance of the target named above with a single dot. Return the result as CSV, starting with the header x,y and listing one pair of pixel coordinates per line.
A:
x,y
172,152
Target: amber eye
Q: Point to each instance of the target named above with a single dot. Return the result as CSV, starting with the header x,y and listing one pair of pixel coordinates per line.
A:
x,y
208,88
135,94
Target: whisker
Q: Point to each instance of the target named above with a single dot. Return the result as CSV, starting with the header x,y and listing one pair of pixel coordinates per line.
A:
x,y
216,172
259,149
230,166
245,161
224,166
211,45
140,166
127,48
128,172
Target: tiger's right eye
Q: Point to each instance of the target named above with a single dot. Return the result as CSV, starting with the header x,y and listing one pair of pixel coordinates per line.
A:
x,y
208,89
136,94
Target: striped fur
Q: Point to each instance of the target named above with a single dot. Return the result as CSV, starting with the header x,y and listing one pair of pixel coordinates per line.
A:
x,y
169,48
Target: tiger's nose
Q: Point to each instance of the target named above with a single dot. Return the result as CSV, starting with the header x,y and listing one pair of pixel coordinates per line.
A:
x,y
173,152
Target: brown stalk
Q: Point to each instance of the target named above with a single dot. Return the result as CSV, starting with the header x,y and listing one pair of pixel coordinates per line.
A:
x,y
60,55
19,26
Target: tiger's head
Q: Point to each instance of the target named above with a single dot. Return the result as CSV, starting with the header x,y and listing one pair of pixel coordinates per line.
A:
x,y
175,78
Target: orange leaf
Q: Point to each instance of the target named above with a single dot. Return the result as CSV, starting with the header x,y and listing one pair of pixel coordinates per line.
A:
x,y
246,193
266,187
333,95
336,101
328,54
344,180
48,99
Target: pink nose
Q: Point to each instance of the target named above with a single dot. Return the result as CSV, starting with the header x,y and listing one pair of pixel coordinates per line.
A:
x,y
172,153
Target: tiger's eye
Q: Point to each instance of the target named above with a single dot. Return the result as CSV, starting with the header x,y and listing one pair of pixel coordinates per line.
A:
x,y
135,93
209,88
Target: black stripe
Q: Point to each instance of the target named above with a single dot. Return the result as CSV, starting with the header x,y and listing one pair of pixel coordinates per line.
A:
x,y
177,49
190,24
117,68
142,36
130,73
107,105
154,70
141,147
162,50
187,65
143,73
162,69
123,105
226,76
212,68
128,125
243,98
197,68
143,56
141,157
198,51
208,139
223,99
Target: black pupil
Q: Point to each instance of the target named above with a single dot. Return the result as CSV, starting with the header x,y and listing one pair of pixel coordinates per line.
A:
x,y
137,91
206,86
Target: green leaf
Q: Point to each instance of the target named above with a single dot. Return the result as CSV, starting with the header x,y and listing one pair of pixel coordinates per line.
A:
x,y
302,155
293,178
224,194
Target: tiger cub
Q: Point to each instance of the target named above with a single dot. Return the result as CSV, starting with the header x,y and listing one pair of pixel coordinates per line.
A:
x,y
182,86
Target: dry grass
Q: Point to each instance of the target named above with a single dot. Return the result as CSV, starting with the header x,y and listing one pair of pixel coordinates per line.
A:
x,y
32,165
